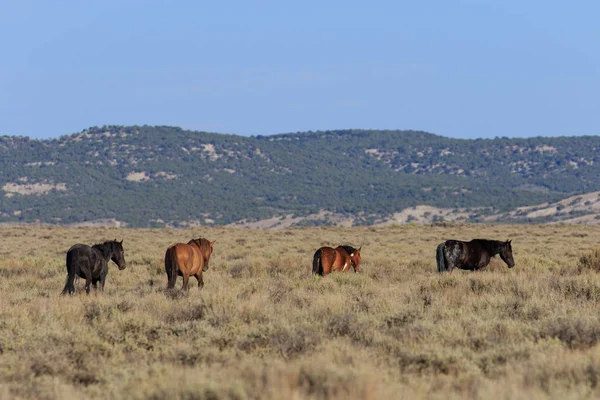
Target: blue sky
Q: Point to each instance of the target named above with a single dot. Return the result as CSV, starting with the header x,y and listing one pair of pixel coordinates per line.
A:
x,y
462,69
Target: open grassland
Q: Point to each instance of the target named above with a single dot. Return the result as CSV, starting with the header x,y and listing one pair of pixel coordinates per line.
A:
x,y
264,327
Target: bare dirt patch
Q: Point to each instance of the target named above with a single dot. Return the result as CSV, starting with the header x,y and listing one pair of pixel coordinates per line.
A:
x,y
138,177
27,189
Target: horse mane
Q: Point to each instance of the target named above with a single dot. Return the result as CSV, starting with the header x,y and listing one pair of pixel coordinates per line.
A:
x,y
202,243
107,247
349,249
493,247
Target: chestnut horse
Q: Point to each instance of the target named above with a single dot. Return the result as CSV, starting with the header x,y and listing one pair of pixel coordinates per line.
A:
x,y
187,260
472,255
328,259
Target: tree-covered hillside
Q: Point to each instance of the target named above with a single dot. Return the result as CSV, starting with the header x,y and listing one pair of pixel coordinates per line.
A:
x,y
151,176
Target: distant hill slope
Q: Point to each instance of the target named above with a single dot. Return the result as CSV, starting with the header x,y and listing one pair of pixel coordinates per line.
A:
x,y
156,176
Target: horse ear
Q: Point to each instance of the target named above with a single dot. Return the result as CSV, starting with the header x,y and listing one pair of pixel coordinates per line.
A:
x,y
212,243
358,251
121,243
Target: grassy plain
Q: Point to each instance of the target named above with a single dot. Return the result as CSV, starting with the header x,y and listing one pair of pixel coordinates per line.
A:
x,y
264,328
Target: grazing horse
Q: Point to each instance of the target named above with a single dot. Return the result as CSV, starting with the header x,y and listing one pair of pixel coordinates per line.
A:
x,y
472,255
328,259
91,263
187,260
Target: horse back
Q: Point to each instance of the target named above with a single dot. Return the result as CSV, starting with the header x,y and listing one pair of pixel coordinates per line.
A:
x,y
481,253
80,249
467,255
188,258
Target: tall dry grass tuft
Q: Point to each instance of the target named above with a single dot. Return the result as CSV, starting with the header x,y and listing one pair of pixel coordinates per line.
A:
x,y
589,261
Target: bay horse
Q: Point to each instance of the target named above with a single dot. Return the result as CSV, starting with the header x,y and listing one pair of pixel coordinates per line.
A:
x,y
328,259
91,263
473,255
187,260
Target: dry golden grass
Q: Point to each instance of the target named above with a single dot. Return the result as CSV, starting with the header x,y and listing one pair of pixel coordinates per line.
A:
x,y
264,327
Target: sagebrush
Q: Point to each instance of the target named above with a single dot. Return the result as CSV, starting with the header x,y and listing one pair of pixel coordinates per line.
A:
x,y
263,327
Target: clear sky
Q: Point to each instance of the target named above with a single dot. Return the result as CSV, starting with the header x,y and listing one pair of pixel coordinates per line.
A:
x,y
462,69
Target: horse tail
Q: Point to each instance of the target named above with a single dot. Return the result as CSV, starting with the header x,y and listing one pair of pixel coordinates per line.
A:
x,y
441,262
69,285
317,266
171,267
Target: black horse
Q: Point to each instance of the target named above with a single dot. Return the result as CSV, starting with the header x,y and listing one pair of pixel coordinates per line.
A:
x,y
472,255
91,263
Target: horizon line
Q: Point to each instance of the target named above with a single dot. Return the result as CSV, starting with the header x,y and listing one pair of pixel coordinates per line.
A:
x,y
293,133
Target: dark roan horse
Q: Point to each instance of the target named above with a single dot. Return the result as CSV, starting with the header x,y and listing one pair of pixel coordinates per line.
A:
x,y
328,259
187,260
472,255
91,263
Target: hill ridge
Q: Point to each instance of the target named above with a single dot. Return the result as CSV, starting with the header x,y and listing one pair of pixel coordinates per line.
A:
x,y
161,175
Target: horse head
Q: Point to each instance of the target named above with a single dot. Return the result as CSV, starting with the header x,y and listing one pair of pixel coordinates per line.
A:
x,y
506,254
355,259
118,254
206,249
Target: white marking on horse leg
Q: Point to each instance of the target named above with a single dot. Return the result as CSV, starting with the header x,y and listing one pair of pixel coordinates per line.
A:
x,y
345,267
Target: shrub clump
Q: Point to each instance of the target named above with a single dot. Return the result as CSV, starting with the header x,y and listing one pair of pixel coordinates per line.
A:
x,y
576,334
589,262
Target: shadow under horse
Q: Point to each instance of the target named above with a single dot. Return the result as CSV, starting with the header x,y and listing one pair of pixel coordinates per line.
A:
x,y
187,260
473,255
91,263
328,259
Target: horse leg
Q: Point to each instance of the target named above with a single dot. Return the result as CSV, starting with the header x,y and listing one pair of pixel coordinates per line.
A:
x,y
103,281
88,280
168,271
186,279
345,267
200,281
332,266
327,263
